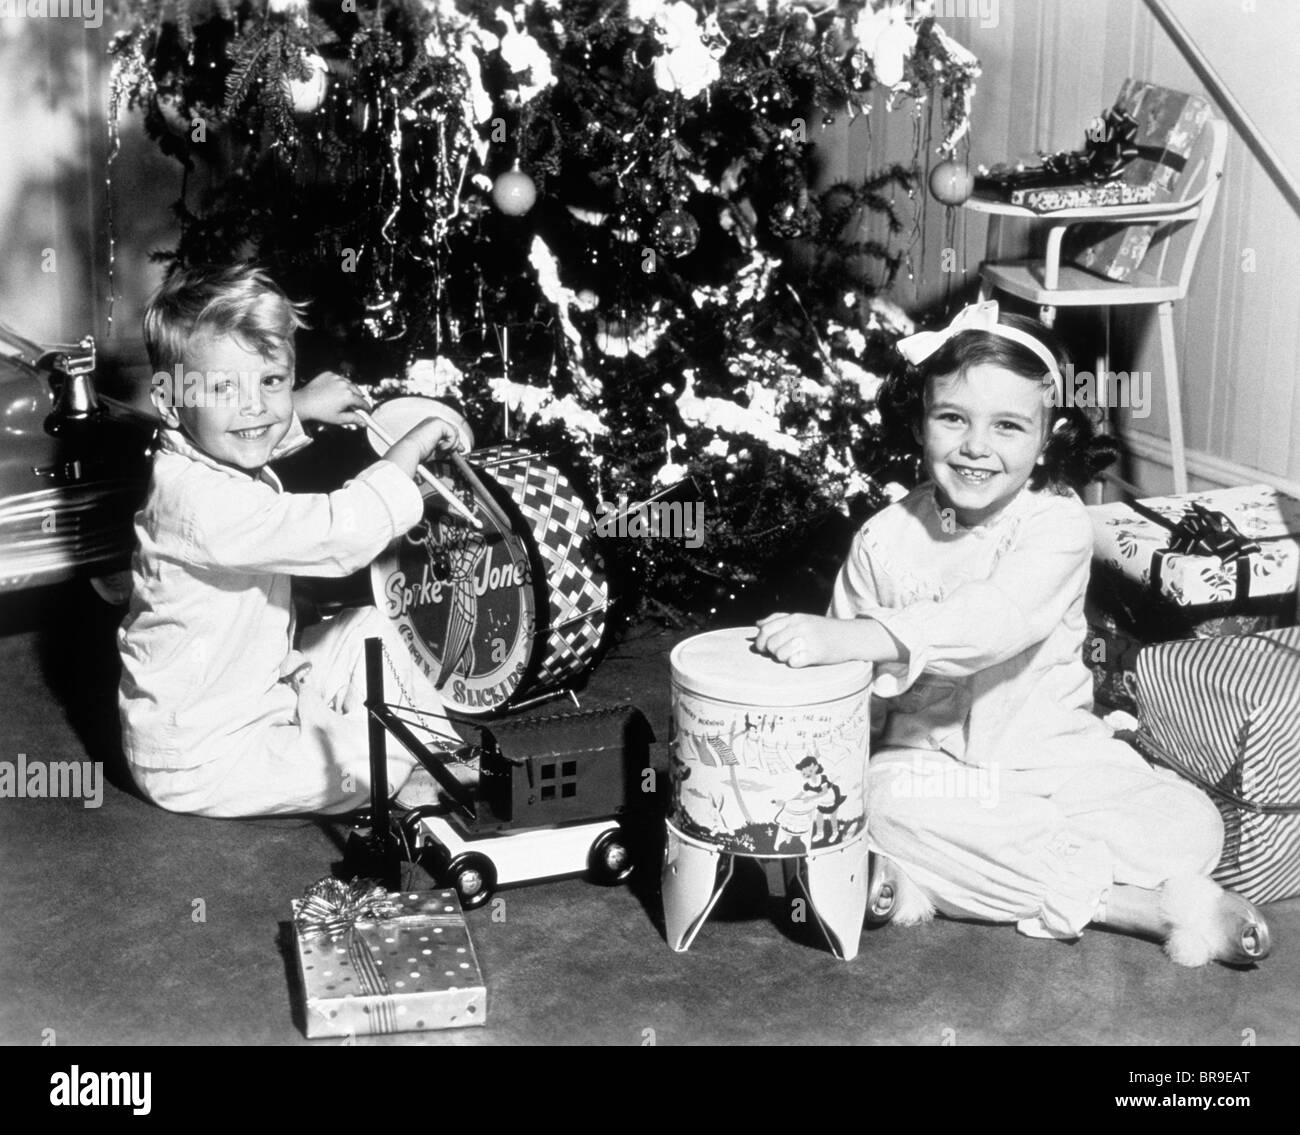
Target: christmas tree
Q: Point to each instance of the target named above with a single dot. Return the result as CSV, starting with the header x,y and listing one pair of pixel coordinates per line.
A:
x,y
592,223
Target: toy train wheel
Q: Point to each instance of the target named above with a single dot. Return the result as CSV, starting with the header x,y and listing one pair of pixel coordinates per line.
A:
x,y
474,878
610,861
114,588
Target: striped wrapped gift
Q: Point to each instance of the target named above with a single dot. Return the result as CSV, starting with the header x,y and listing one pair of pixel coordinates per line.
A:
x,y
1225,714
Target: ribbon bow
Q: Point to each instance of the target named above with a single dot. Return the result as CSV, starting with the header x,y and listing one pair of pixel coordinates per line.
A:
x,y
1109,150
332,907
1201,531
973,317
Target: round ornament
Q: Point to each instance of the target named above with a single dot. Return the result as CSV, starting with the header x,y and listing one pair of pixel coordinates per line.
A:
x,y
307,95
514,192
676,233
951,183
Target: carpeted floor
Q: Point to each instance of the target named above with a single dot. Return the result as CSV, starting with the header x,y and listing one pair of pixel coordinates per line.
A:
x,y
99,942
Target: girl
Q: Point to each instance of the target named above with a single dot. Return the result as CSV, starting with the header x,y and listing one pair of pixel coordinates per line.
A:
x,y
993,791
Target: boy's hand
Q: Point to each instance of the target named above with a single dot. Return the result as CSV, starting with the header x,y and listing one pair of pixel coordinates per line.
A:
x,y
432,436
331,398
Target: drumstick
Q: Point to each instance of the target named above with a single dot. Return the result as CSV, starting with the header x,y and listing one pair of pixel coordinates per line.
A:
x,y
427,477
480,490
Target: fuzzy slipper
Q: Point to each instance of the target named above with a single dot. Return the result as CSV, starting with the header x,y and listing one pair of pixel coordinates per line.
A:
x,y
893,897
1206,923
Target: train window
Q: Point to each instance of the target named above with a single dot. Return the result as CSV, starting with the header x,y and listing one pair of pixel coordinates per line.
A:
x,y
548,772
568,789
569,768
548,791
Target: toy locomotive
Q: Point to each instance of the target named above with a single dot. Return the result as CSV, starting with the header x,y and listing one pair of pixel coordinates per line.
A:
x,y
552,797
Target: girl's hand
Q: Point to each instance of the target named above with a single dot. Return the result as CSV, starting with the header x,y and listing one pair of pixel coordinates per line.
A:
x,y
331,398
816,640
807,640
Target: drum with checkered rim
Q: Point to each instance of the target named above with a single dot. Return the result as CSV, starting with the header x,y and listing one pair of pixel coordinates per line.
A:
x,y
495,617
562,528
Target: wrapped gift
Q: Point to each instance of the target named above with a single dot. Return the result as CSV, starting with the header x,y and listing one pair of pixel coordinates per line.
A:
x,y
1224,715
1093,177
1215,552
1203,565
1120,627
1009,187
1108,195
1168,126
372,961
1110,652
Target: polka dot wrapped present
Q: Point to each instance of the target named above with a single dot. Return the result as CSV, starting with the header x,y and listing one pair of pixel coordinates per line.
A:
x,y
374,961
1215,552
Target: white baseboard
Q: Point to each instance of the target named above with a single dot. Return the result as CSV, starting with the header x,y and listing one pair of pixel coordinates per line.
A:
x,y
1217,470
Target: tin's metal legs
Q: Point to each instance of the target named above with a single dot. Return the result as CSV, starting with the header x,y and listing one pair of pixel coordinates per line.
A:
x,y
833,883
691,886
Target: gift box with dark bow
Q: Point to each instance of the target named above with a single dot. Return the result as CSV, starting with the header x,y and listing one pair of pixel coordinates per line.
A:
x,y
374,961
1135,154
1093,177
1201,565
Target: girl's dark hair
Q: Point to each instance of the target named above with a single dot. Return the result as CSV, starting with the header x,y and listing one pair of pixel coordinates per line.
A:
x,y
1075,453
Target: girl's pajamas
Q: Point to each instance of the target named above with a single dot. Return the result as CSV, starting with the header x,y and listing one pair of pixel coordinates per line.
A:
x,y
991,783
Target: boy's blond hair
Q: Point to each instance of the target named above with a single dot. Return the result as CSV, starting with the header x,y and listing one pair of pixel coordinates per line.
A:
x,y
238,300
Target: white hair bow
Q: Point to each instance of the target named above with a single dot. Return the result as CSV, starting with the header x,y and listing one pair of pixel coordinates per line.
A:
x,y
975,317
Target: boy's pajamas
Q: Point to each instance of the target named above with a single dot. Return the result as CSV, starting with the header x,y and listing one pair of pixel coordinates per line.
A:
x,y
221,716
991,783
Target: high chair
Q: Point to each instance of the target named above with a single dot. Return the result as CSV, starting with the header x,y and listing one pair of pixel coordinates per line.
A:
x,y
1162,278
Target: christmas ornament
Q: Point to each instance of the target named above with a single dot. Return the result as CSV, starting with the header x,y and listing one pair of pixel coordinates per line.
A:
x,y
173,114
308,94
514,193
285,7
383,318
790,219
676,233
951,183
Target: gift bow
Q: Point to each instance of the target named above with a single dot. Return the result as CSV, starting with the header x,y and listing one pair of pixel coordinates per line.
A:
x,y
1201,531
974,317
1106,156
332,907
1106,151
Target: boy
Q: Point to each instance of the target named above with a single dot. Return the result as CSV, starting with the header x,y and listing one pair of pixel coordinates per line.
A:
x,y
220,715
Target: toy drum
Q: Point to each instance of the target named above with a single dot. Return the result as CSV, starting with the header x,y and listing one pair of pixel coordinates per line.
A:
x,y
767,760
493,615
